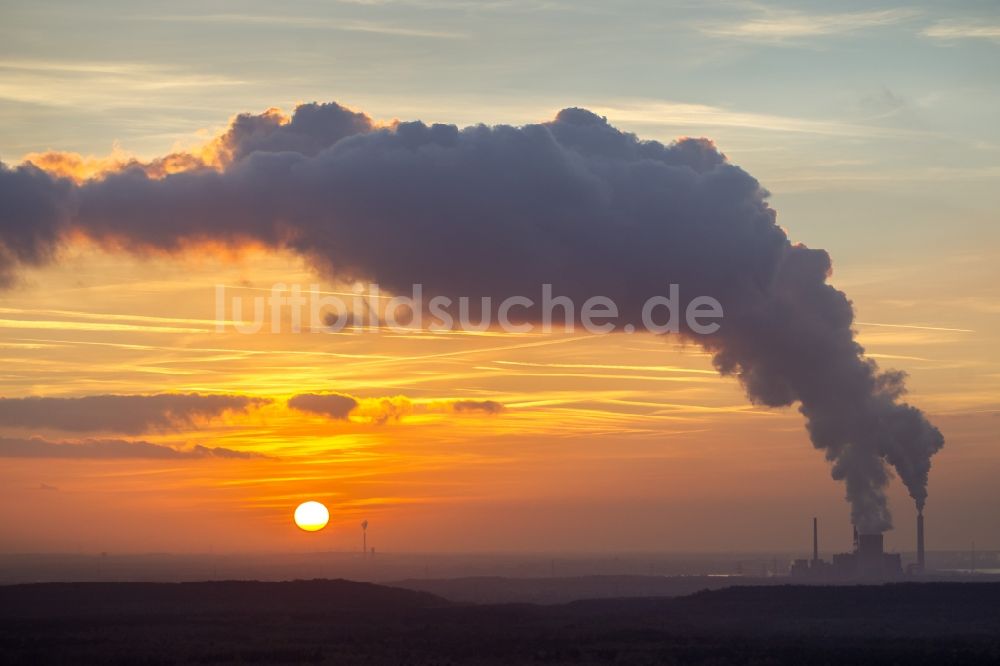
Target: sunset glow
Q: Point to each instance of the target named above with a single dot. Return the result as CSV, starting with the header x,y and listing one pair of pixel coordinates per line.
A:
x,y
220,172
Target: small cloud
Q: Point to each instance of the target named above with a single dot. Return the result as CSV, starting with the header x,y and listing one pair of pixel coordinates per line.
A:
x,y
341,407
333,405
953,30
382,410
776,26
45,486
111,449
484,406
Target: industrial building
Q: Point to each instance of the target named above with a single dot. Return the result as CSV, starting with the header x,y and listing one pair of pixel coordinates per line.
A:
x,y
867,561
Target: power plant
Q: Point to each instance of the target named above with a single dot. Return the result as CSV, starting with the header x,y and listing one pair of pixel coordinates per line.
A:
x,y
868,560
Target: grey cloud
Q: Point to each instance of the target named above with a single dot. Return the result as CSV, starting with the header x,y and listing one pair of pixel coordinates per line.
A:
x,y
380,411
333,405
485,406
112,449
498,211
127,414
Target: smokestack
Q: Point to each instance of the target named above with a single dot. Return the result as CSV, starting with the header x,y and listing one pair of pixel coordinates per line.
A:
x,y
855,538
815,541
920,540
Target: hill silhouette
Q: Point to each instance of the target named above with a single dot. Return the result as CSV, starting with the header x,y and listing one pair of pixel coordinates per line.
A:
x,y
342,622
501,590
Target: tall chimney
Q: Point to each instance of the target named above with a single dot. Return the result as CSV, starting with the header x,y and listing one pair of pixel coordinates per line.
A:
x,y
815,541
920,540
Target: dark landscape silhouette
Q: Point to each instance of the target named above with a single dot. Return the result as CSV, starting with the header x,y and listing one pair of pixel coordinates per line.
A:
x,y
344,622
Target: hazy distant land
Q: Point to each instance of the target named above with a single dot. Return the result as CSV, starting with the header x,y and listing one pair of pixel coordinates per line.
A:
x,y
391,567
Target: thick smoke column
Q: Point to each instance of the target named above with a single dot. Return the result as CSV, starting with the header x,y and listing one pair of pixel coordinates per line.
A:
x,y
498,211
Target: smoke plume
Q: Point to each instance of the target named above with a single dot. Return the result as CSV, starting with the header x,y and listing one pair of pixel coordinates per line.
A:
x,y
498,211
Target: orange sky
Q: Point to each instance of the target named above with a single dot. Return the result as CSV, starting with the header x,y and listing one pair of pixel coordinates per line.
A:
x,y
873,129
607,443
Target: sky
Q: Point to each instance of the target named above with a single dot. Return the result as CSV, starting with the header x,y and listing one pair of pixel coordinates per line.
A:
x,y
872,127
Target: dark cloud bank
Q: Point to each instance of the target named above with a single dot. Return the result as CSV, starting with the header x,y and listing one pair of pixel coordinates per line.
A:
x,y
127,414
112,449
498,211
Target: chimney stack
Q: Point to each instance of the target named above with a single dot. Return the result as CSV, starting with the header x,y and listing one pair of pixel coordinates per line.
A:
x,y
815,541
920,540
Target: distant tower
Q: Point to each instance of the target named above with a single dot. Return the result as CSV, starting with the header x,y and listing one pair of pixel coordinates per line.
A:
x,y
815,541
364,538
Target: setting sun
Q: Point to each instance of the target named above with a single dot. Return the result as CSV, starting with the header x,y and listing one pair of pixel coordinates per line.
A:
x,y
311,516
